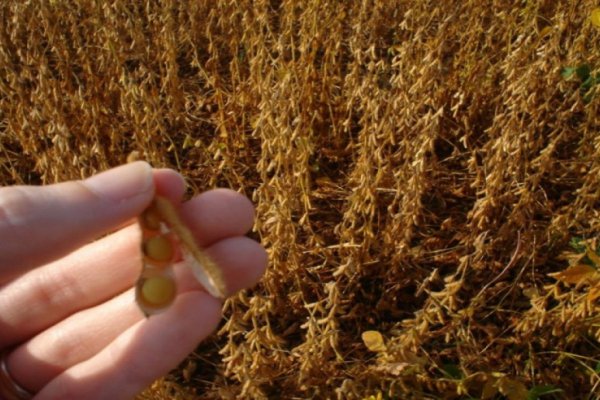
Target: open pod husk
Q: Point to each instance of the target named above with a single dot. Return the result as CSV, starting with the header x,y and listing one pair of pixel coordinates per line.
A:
x,y
161,220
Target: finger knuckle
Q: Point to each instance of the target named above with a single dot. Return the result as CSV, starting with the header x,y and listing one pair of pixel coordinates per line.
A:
x,y
15,206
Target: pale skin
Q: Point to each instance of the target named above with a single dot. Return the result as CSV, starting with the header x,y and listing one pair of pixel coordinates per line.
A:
x,y
67,309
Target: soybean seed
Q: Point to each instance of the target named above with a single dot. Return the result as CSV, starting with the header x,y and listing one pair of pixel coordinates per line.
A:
x,y
158,291
159,248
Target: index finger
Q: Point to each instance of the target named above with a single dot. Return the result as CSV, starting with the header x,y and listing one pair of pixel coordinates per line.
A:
x,y
41,224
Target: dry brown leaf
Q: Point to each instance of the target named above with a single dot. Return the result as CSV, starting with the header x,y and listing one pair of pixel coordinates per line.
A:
x,y
575,274
397,369
512,388
405,362
594,293
595,258
490,388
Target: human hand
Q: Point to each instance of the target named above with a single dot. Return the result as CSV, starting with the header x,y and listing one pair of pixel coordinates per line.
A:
x,y
69,325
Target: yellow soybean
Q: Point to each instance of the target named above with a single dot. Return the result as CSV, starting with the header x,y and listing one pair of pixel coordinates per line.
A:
x,y
158,290
159,248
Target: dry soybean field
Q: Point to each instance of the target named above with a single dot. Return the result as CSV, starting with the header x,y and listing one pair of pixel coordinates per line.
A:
x,y
426,176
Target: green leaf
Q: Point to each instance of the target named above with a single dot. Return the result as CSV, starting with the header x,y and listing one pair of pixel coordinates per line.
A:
x,y
589,83
583,72
597,369
586,85
452,371
537,391
568,72
577,244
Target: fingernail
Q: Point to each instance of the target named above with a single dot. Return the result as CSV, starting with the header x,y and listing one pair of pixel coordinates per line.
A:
x,y
122,183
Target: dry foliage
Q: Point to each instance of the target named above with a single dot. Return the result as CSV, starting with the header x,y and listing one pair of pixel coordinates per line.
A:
x,y
419,169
